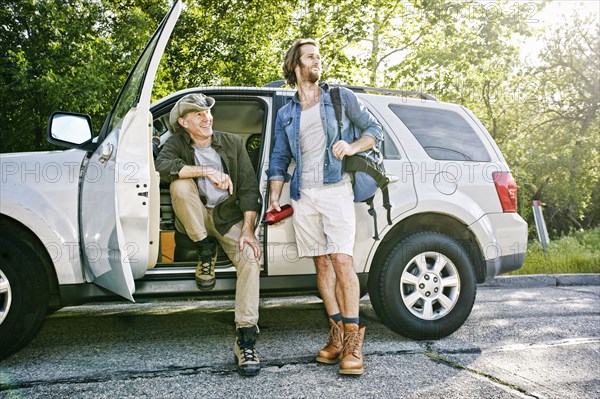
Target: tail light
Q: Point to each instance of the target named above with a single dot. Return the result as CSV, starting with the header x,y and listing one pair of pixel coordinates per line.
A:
x,y
506,187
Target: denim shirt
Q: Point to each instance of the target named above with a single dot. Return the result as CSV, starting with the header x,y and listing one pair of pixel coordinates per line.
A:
x,y
356,122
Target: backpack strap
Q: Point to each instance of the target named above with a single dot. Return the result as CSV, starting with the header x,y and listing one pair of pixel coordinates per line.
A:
x,y
336,100
360,164
373,213
386,203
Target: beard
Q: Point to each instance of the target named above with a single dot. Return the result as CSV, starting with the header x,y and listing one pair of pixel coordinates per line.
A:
x,y
313,77
308,75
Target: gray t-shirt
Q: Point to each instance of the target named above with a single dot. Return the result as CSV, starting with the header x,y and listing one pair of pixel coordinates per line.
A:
x,y
312,147
207,156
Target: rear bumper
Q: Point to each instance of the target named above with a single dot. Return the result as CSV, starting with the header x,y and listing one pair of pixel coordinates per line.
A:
x,y
503,242
503,264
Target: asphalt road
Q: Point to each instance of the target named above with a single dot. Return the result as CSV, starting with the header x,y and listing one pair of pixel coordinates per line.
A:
x,y
535,337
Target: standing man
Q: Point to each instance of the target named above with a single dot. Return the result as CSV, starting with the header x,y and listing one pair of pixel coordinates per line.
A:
x,y
307,130
215,195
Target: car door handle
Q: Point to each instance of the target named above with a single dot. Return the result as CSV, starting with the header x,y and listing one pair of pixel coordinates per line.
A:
x,y
106,153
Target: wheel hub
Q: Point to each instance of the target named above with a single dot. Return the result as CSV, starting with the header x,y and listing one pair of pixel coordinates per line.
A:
x,y
429,285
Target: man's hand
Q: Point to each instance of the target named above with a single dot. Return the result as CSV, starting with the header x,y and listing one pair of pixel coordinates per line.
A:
x,y
342,149
274,206
222,181
248,237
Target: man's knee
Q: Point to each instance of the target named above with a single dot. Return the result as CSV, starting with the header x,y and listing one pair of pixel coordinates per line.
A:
x,y
341,259
342,263
181,188
322,263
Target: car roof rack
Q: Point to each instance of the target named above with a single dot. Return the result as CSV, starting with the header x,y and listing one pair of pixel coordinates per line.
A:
x,y
366,89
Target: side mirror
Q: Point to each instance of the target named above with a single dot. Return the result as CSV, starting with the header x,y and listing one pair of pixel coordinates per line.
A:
x,y
70,130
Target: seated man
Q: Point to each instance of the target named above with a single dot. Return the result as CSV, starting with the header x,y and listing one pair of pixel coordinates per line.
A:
x,y
214,193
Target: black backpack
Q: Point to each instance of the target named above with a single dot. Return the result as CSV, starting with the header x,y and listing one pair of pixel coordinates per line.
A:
x,y
369,162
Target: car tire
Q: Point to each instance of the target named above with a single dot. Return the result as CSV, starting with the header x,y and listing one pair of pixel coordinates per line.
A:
x,y
24,295
425,289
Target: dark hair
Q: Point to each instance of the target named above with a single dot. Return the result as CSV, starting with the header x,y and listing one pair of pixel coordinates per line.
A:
x,y
292,60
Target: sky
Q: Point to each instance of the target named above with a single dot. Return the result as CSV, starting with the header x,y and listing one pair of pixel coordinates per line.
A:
x,y
557,10
555,13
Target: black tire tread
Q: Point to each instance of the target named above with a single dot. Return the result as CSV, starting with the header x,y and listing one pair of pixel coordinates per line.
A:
x,y
377,282
30,295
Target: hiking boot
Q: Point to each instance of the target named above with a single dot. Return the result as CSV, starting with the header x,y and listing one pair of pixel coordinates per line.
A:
x,y
207,258
352,356
245,354
332,352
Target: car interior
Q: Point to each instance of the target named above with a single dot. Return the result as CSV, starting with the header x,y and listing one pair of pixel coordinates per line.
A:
x,y
243,116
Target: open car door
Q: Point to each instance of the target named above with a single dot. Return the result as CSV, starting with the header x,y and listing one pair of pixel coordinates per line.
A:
x,y
119,200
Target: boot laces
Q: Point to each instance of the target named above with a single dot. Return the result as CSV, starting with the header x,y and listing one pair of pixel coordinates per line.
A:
x,y
333,335
248,354
352,343
206,267
206,257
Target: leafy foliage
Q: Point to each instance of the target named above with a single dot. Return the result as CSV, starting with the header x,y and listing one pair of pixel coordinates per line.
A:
x,y
66,54
553,144
224,42
74,55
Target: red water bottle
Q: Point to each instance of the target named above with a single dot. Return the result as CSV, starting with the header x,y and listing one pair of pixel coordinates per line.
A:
x,y
274,216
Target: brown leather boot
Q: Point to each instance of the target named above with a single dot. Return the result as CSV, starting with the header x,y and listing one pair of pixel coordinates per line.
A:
x,y
352,357
332,352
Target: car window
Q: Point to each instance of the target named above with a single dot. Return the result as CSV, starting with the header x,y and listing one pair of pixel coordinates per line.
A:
x,y
242,115
443,134
388,147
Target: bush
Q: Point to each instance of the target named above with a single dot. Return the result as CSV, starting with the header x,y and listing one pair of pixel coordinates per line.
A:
x,y
575,253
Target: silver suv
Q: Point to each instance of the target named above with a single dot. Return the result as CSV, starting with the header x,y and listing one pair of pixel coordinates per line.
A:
x,y
93,222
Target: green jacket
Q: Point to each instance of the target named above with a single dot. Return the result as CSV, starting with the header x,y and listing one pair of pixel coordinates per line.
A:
x,y
178,152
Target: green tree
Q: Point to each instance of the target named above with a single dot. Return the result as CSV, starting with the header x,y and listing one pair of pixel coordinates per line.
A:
x,y
74,55
557,127
225,42
66,54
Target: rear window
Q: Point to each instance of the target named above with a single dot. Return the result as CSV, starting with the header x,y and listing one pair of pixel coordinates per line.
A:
x,y
443,134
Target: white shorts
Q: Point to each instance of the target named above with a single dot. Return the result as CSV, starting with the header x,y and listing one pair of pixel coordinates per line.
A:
x,y
324,219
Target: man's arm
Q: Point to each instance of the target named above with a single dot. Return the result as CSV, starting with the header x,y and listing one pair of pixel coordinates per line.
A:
x,y
221,180
342,148
278,164
274,194
169,162
360,116
248,193
171,166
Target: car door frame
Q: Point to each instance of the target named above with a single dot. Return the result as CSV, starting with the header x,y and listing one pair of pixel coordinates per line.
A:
x,y
119,235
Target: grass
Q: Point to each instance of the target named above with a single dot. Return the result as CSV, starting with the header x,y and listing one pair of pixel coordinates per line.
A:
x,y
576,253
